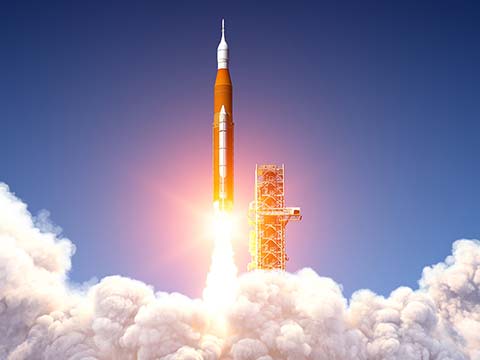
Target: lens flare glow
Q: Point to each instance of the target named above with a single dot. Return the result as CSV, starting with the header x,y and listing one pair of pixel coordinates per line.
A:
x,y
221,287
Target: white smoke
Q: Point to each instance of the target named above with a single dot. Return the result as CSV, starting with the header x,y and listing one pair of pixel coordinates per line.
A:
x,y
274,315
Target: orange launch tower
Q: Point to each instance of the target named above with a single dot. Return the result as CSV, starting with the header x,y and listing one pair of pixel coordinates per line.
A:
x,y
268,218
223,131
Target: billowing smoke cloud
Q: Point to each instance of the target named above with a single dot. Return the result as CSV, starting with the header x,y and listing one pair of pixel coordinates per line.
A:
x,y
273,315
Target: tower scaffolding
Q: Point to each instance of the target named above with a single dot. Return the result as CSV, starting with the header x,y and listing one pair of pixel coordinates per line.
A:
x,y
268,218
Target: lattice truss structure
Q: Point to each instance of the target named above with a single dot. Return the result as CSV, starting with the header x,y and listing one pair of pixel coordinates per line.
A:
x,y
268,218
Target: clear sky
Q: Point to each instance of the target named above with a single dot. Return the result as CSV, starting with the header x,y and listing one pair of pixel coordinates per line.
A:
x,y
374,107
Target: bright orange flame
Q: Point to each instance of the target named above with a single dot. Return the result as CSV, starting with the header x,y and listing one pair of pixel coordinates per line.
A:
x,y
221,287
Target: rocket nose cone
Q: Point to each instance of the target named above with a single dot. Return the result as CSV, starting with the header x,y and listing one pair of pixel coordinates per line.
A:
x,y
222,110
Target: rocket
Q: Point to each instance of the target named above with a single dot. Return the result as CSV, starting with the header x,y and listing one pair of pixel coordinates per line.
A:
x,y
223,131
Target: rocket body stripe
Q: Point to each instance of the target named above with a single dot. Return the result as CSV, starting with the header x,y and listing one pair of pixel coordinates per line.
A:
x,y
223,158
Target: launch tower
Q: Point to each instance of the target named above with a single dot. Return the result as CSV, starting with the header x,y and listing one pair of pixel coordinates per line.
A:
x,y
268,218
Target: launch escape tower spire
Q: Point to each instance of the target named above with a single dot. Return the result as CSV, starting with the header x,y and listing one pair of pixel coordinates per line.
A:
x,y
268,218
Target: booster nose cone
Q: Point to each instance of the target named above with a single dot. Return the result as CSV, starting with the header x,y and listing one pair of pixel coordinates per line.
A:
x,y
223,111
222,50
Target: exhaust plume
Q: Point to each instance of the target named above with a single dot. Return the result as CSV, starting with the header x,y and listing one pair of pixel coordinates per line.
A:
x,y
270,315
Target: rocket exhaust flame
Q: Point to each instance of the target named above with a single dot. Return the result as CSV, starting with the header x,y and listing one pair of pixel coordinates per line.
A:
x,y
221,287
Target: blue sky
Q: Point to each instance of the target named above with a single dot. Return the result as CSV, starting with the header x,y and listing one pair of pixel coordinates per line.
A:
x,y
106,111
